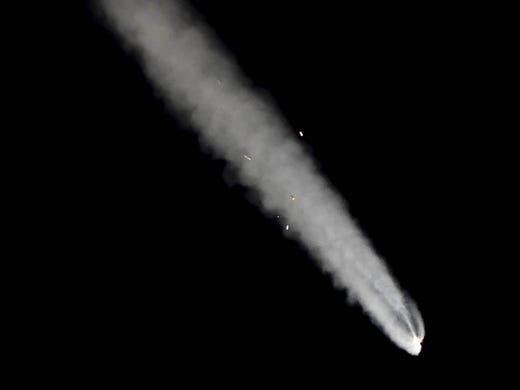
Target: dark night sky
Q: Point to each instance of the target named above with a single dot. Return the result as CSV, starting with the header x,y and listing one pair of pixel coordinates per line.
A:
x,y
182,276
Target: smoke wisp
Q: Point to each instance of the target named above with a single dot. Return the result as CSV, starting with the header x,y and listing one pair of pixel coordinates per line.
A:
x,y
196,77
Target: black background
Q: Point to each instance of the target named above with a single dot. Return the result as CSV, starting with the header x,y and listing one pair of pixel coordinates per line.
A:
x,y
172,273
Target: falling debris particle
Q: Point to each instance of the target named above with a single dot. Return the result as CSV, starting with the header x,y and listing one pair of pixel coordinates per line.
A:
x,y
292,197
247,157
286,227
219,82
301,133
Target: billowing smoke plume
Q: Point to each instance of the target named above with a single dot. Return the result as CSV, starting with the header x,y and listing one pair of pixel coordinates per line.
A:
x,y
197,78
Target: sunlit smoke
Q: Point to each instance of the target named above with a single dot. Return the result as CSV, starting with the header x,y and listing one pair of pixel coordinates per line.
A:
x,y
199,81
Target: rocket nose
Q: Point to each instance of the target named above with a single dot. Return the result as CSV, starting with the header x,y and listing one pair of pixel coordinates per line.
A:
x,y
415,347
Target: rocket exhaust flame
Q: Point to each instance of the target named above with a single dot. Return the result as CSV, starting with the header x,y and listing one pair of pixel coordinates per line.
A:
x,y
196,77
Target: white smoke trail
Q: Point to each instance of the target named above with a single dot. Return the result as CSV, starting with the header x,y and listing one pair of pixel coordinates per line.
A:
x,y
196,77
